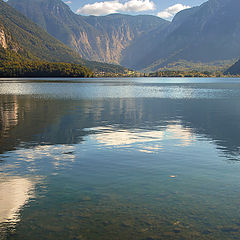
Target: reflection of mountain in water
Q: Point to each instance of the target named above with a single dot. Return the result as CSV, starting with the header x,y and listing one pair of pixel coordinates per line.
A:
x,y
22,119
35,121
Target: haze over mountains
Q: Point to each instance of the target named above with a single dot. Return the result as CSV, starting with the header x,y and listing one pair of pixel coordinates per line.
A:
x,y
205,34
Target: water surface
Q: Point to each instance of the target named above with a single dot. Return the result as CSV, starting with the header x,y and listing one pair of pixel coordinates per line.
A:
x,y
145,158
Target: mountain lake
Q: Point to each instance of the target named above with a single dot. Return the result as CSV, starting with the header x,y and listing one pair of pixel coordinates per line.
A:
x,y
120,159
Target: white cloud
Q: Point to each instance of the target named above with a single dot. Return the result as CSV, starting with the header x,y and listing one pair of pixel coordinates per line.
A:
x,y
171,11
68,2
108,7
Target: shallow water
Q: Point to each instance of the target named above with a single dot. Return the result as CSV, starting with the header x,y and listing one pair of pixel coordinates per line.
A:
x,y
145,158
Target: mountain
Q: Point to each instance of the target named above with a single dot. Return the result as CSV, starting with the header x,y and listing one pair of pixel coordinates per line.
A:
x,y
201,38
205,34
234,69
20,35
95,38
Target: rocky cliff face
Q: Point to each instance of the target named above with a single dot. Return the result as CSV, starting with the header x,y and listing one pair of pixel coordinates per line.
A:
x,y
112,34
3,41
106,47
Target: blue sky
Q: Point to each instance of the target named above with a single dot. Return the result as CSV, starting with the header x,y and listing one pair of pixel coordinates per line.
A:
x,y
163,8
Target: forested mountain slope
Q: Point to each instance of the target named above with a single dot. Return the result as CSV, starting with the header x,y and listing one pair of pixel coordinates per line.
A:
x,y
22,36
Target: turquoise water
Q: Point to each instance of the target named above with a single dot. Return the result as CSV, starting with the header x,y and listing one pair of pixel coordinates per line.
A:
x,y
120,159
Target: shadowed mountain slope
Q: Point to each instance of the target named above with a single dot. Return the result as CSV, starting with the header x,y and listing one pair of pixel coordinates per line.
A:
x,y
234,69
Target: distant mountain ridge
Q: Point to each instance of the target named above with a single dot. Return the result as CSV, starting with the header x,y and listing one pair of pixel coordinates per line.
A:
x,y
201,34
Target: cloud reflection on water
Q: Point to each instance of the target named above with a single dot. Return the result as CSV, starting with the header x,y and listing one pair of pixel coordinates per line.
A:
x,y
148,141
15,192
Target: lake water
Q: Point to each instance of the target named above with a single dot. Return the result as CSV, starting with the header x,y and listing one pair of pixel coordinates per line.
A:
x,y
120,159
